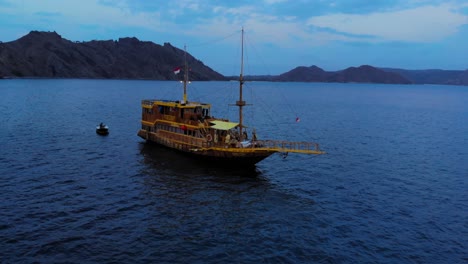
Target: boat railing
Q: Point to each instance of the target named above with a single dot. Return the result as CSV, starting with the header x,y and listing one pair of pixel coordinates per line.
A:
x,y
183,139
277,145
291,146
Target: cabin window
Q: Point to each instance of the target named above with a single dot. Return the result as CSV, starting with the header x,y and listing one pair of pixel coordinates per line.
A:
x,y
181,113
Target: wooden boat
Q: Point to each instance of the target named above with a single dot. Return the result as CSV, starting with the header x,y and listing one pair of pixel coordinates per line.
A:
x,y
189,127
102,129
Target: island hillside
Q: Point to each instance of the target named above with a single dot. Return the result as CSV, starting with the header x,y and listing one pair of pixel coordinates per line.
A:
x,y
362,74
48,55
367,74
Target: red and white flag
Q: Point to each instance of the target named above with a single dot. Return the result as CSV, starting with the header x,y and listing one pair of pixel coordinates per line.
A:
x,y
177,70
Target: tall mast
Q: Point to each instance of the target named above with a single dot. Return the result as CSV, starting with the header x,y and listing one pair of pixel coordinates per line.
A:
x,y
241,103
185,74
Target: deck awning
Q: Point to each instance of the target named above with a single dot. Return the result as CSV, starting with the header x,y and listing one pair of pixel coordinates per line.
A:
x,y
223,125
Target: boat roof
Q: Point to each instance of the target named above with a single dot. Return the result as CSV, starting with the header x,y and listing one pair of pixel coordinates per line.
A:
x,y
223,125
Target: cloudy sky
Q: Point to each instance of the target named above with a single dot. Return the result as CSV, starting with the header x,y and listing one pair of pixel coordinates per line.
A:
x,y
280,34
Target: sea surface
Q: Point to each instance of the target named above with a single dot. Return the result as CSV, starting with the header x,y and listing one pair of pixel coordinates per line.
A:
x,y
392,188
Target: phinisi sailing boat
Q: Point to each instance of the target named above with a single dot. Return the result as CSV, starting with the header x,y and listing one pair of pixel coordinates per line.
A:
x,y
189,127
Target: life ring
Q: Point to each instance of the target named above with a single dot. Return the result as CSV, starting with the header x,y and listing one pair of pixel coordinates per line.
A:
x,y
209,138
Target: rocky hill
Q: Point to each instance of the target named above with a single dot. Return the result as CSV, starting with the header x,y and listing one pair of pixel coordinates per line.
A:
x,y
304,74
362,74
47,54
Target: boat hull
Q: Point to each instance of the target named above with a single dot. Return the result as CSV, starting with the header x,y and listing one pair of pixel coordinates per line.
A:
x,y
216,155
102,132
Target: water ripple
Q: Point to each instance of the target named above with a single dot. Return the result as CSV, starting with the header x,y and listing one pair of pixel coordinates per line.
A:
x,y
392,188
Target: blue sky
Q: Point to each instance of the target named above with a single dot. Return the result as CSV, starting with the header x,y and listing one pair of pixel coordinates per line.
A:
x,y
280,34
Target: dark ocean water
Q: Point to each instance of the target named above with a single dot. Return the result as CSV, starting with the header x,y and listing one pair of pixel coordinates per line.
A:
x,y
392,188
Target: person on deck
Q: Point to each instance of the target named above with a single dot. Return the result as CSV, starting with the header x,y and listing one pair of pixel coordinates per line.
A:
x,y
244,135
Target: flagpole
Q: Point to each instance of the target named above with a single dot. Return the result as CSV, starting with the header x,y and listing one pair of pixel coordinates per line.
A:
x,y
185,75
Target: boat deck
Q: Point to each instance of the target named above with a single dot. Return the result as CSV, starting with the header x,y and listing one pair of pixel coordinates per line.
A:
x,y
292,146
197,144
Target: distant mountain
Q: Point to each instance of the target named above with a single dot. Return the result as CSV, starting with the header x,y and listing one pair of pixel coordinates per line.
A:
x,y
47,54
304,74
433,76
463,77
367,74
362,74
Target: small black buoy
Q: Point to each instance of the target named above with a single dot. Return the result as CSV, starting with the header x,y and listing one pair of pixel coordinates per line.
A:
x,y
102,129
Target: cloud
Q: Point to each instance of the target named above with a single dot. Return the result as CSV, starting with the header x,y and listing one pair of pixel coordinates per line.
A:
x,y
84,12
6,3
271,2
47,14
278,30
419,24
209,20
266,28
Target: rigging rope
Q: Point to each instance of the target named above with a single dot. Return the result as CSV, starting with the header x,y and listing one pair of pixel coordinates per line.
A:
x,y
214,40
230,94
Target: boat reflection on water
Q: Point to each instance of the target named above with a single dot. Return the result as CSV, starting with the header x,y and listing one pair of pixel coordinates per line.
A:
x,y
168,161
